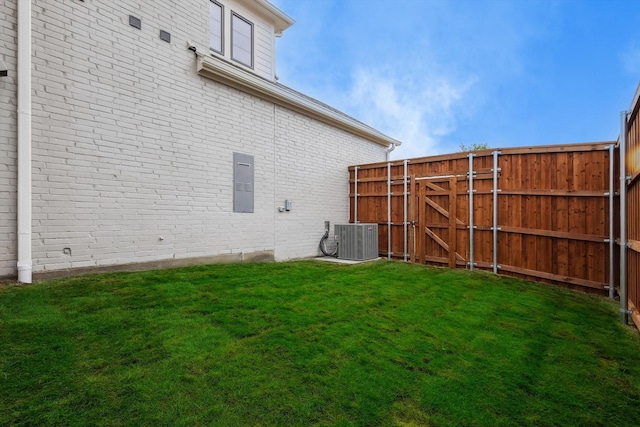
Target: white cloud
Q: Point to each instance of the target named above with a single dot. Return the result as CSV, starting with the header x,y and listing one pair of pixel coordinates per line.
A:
x,y
417,112
631,60
432,81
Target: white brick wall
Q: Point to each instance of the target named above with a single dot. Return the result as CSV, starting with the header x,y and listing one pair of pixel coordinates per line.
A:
x,y
311,170
130,145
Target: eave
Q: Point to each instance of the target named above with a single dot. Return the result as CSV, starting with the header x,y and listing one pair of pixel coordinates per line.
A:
x,y
230,75
281,20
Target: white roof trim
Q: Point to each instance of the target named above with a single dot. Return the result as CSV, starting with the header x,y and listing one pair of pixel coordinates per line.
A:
x,y
230,75
282,21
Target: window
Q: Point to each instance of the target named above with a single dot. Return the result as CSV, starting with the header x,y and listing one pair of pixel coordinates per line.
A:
x,y
241,40
215,22
240,32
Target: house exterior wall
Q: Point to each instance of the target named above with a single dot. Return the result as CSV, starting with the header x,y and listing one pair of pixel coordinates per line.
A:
x,y
312,163
133,151
8,139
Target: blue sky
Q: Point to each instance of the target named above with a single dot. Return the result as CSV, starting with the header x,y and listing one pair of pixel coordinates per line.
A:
x,y
435,74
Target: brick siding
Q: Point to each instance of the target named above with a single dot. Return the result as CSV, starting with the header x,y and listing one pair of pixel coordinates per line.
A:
x,y
132,150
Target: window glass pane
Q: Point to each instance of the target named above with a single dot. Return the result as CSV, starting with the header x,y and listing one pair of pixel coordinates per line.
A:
x,y
241,39
215,23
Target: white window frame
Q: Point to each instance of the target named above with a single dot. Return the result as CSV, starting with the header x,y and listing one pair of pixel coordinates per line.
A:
x,y
234,16
221,51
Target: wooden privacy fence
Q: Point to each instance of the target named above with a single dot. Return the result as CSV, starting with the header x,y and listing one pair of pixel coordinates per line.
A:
x,y
543,213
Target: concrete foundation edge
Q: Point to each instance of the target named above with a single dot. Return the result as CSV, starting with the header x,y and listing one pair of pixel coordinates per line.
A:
x,y
260,256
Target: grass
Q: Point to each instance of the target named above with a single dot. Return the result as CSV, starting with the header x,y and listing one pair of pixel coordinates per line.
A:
x,y
310,343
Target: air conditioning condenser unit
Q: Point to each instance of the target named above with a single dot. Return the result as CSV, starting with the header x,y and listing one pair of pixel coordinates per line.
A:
x,y
357,242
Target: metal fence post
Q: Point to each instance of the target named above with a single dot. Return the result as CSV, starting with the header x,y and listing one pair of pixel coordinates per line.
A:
x,y
495,211
355,197
471,260
624,309
388,210
404,179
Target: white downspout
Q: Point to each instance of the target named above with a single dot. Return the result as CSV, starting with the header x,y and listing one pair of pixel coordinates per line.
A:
x,y
391,147
24,141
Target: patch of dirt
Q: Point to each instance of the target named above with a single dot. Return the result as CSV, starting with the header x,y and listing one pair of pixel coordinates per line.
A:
x,y
7,283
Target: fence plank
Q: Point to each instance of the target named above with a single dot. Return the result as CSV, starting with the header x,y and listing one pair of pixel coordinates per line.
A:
x,y
452,222
552,233
553,192
552,277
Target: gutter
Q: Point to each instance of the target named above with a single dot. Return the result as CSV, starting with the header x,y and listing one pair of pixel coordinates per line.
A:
x,y
25,264
283,21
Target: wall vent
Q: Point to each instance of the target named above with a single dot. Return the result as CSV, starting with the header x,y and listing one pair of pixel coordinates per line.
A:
x,y
357,242
165,36
135,22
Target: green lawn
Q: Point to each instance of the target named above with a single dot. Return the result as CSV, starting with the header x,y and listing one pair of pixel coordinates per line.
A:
x,y
311,343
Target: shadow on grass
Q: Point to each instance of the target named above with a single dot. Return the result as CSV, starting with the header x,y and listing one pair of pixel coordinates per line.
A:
x,y
309,343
